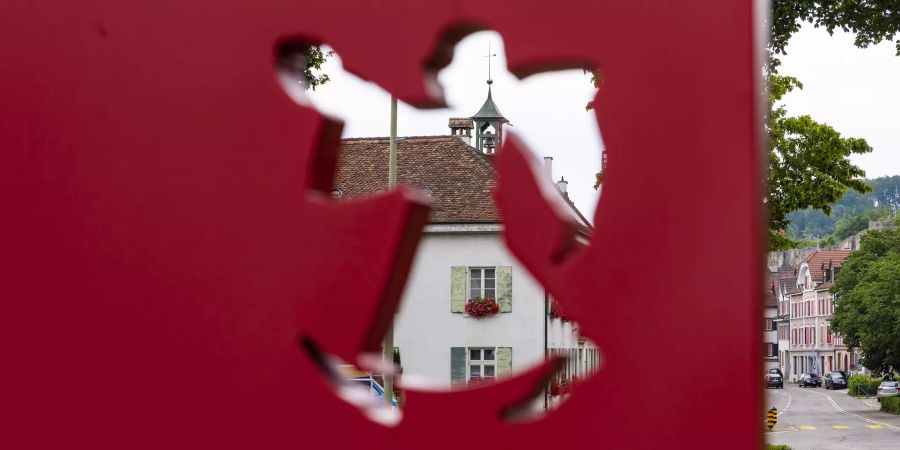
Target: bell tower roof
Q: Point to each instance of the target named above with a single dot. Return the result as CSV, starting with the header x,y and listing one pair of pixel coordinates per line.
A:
x,y
489,110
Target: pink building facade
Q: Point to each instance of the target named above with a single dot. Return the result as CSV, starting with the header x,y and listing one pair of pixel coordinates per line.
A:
x,y
813,345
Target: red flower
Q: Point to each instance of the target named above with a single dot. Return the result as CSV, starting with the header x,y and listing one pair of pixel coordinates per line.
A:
x,y
562,386
482,307
558,312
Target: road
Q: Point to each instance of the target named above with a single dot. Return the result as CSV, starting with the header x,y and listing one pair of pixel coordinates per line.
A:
x,y
815,418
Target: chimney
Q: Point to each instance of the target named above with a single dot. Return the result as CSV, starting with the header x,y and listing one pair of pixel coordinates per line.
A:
x,y
548,167
563,186
461,127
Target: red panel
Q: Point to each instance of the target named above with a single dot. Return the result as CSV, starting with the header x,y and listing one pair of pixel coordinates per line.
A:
x,y
167,240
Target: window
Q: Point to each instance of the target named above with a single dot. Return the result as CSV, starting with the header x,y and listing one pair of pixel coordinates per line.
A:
x,y
482,282
768,326
482,364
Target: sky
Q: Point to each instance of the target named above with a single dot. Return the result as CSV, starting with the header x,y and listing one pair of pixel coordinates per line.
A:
x,y
856,91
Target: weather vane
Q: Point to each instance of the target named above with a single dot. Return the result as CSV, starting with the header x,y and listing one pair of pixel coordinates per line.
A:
x,y
488,56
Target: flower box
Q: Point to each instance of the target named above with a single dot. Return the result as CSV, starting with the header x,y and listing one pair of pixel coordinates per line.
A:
x,y
557,312
482,307
562,387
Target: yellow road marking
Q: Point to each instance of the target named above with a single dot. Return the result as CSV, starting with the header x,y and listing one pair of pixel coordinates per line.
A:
x,y
807,428
875,427
840,427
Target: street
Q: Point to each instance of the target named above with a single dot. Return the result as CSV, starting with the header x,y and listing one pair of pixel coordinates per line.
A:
x,y
815,418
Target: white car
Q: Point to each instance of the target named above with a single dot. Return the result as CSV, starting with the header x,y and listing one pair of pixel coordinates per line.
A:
x,y
888,389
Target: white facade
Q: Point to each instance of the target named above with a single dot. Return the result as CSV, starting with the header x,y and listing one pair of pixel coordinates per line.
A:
x,y
770,339
783,324
426,329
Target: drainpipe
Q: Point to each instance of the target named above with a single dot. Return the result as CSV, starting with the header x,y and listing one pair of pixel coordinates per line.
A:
x,y
546,347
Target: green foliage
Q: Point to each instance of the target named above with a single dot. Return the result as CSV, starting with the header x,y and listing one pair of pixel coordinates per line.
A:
x,y
867,300
869,385
777,447
849,225
885,197
596,79
891,405
315,57
809,164
873,21
305,61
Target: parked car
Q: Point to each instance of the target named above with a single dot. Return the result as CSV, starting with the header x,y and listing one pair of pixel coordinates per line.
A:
x,y
888,389
776,370
836,379
809,379
774,380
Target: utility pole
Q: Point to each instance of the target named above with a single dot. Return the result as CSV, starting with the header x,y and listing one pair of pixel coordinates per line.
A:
x,y
388,350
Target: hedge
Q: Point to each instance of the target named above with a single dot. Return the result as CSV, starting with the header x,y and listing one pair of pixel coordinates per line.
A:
x,y
777,447
869,385
891,405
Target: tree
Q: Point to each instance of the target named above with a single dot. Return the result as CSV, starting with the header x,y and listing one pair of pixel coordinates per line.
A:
x,y
867,300
854,223
885,196
809,164
796,179
305,61
873,21
315,57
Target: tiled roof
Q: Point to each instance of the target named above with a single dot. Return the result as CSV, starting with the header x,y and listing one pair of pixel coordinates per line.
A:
x,y
783,278
461,122
460,178
821,260
786,277
824,286
794,290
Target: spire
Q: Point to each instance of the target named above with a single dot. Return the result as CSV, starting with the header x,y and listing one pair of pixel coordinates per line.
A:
x,y
489,109
488,121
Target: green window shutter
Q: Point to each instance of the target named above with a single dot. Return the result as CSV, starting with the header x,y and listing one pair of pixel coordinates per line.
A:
x,y
458,289
504,288
457,365
504,361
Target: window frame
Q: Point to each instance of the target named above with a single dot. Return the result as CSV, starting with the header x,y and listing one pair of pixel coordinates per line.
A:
x,y
482,281
481,363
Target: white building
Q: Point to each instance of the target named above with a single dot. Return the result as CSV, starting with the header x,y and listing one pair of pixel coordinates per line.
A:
x,y
770,326
782,280
461,257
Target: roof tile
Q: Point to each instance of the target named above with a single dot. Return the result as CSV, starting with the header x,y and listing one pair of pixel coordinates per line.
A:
x,y
460,178
821,260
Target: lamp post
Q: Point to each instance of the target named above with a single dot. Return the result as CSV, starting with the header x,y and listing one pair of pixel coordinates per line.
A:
x,y
388,346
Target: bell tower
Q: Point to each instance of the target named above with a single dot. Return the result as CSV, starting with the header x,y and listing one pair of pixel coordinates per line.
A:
x,y
488,120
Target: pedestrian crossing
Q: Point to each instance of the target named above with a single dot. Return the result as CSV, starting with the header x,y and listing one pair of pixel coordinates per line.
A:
x,y
837,427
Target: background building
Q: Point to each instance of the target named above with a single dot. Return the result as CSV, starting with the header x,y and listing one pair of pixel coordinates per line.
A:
x,y
462,256
814,347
